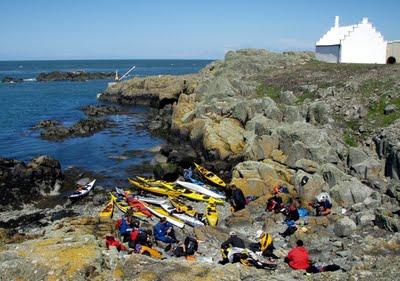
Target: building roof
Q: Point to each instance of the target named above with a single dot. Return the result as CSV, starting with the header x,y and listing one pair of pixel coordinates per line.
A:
x,y
335,35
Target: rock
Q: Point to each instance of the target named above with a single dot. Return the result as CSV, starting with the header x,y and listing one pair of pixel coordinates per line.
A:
x,y
366,218
292,114
317,113
332,174
100,110
324,93
46,124
287,97
387,220
166,171
155,91
240,218
308,192
306,165
393,189
390,108
344,227
9,79
73,76
261,147
348,192
223,140
99,199
84,127
22,183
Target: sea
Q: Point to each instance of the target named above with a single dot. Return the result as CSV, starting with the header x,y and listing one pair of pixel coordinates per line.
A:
x,y
22,105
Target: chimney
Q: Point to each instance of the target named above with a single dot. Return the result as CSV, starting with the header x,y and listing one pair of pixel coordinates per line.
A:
x,y
337,22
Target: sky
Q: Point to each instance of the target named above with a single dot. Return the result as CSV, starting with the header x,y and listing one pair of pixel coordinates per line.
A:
x,y
176,29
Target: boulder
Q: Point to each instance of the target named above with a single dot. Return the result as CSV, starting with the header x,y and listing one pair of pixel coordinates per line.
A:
x,y
332,174
350,192
308,192
100,110
306,165
317,113
387,220
390,108
224,139
260,147
344,227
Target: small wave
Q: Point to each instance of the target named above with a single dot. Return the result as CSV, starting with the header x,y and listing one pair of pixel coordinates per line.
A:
x,y
29,79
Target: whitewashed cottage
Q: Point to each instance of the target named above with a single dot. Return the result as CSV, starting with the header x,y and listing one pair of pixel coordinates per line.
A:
x,y
359,43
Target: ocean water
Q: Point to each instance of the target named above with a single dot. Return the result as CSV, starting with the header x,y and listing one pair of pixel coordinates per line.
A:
x,y
22,105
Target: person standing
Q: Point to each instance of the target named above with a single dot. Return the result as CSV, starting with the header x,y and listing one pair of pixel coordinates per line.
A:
x,y
237,199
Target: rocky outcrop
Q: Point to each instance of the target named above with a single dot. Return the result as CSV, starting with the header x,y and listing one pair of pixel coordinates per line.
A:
x,y
84,127
100,110
73,76
21,183
155,91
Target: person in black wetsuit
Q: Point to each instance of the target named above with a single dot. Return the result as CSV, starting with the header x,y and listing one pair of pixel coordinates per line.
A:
x,y
237,199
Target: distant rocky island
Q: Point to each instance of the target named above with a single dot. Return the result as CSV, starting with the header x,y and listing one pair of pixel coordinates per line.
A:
x,y
64,76
260,120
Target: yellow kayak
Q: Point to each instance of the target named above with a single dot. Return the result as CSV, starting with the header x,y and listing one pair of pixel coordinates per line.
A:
x,y
179,189
210,175
153,189
147,251
182,207
123,206
212,213
107,212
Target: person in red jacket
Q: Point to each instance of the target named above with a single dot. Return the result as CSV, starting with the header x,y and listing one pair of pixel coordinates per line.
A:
x,y
298,257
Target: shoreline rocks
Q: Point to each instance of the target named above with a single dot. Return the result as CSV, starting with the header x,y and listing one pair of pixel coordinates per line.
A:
x,y
25,182
100,110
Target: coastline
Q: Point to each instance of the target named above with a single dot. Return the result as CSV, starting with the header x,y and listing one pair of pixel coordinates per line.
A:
x,y
233,119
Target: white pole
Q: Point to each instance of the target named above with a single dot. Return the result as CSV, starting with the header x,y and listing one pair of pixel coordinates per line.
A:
x,y
123,76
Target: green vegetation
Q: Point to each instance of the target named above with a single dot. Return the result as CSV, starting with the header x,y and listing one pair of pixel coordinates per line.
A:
x,y
269,91
305,95
350,139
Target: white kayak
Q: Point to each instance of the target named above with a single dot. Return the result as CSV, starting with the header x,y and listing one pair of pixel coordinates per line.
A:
x,y
83,191
200,189
120,191
186,218
151,200
161,213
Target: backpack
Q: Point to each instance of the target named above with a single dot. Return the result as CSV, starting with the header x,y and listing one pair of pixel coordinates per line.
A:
x,y
191,245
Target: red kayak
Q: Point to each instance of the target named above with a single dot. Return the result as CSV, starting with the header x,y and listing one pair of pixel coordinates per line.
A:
x,y
137,205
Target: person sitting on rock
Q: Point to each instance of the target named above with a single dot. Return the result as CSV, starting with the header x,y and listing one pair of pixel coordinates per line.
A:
x,y
264,244
275,202
237,199
323,205
298,258
112,242
124,228
187,248
164,231
292,213
230,245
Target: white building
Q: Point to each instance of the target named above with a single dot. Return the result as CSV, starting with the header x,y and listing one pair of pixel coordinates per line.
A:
x,y
359,43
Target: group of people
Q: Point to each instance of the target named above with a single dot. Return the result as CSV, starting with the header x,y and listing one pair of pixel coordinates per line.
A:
x,y
234,248
140,240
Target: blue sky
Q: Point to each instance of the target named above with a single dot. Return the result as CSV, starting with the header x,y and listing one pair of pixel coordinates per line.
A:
x,y
151,29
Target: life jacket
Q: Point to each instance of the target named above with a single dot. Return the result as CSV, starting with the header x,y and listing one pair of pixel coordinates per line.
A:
x,y
265,241
134,234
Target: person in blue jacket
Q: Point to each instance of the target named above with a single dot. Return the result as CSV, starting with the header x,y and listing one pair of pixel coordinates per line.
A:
x,y
125,228
164,231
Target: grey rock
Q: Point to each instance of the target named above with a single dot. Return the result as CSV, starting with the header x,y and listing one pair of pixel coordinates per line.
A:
x,y
344,227
317,113
346,193
387,220
366,218
390,108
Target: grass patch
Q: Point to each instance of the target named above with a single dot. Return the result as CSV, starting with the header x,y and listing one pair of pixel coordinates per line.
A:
x,y
270,91
350,139
305,95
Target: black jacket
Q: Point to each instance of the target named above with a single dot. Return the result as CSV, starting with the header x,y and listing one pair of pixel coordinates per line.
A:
x,y
233,241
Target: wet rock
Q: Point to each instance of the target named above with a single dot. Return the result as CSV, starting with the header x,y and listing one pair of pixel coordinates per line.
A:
x,y
344,227
84,127
46,124
74,76
21,183
100,110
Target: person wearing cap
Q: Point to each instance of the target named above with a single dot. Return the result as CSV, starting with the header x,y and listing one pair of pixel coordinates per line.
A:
x,y
264,244
231,246
164,231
